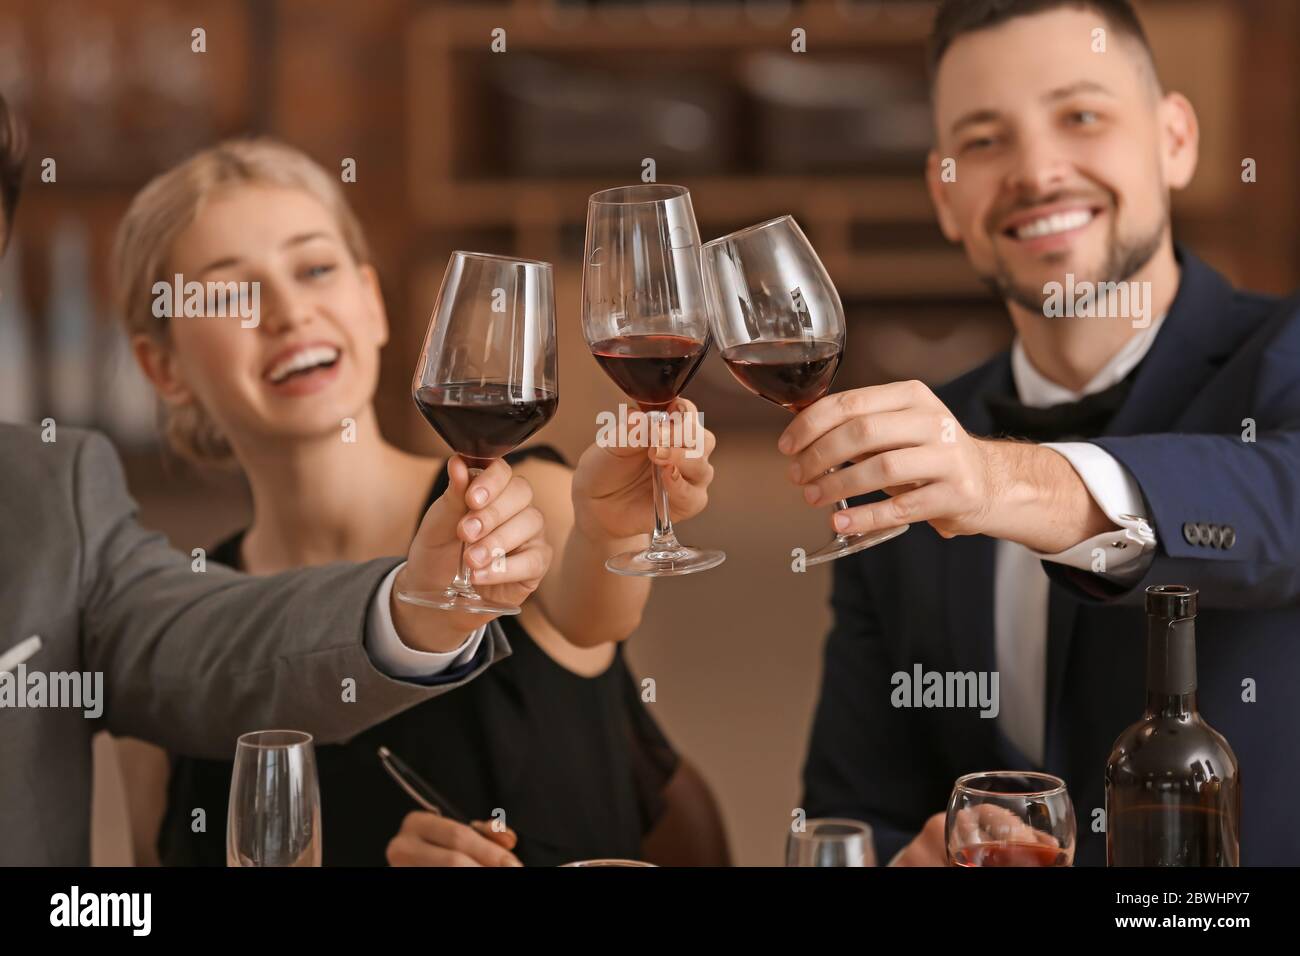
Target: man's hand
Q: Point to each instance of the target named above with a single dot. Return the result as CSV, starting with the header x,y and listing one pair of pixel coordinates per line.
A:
x,y
507,553
428,839
612,496
905,442
927,847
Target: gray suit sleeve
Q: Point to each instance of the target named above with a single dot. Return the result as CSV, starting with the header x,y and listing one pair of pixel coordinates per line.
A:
x,y
193,659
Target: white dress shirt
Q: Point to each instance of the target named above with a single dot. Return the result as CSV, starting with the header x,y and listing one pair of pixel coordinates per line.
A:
x,y
393,657
1021,584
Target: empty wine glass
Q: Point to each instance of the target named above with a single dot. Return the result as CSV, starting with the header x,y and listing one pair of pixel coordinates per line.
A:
x,y
829,841
274,814
607,863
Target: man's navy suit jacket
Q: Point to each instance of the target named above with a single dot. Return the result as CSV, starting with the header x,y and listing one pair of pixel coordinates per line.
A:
x,y
1222,357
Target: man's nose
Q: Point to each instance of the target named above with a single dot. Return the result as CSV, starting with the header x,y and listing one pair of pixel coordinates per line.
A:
x,y
1038,169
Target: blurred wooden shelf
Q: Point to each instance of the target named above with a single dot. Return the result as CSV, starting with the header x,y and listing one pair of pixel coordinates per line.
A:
x,y
538,25
522,203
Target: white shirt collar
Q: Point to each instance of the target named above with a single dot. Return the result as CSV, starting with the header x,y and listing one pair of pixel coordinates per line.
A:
x,y
1038,391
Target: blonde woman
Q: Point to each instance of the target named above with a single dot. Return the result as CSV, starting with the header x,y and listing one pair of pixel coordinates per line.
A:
x,y
555,738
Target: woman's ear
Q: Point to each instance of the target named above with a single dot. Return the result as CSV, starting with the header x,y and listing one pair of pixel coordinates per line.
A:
x,y
375,299
159,366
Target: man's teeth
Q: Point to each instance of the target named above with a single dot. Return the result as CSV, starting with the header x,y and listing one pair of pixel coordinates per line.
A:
x,y
307,358
1051,225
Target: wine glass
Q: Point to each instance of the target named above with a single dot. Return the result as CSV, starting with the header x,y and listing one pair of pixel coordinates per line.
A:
x,y
274,815
831,842
780,329
487,378
607,863
644,317
1010,818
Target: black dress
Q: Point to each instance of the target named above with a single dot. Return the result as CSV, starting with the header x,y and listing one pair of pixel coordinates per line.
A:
x,y
577,763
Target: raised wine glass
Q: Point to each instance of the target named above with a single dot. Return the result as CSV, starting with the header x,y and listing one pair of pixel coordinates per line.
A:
x,y
487,378
644,317
779,326
1010,818
274,813
830,842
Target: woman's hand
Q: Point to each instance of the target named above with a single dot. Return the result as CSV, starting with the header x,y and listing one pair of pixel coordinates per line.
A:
x,y
428,839
612,496
507,552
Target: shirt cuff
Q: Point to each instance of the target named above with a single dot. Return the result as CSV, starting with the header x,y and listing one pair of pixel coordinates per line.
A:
x,y
1122,555
394,658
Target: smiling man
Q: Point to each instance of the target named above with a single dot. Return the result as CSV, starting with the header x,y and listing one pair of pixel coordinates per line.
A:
x,y
1156,442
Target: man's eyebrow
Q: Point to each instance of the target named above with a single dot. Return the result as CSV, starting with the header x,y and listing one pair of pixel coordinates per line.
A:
x,y
1060,93
1083,86
977,116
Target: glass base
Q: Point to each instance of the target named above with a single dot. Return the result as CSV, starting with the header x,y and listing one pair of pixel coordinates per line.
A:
x,y
453,600
843,544
664,564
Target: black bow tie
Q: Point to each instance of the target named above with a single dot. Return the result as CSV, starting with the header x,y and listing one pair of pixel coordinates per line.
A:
x,y
1086,418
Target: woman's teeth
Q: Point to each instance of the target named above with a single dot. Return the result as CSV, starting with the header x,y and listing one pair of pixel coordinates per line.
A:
x,y
301,361
1051,225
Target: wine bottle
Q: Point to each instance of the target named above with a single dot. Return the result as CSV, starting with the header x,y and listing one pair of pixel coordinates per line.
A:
x,y
1173,789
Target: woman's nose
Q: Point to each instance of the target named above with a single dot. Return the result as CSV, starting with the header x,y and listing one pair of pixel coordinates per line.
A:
x,y
281,309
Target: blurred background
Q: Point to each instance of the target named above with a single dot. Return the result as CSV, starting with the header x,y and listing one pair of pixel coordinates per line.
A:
x,y
457,146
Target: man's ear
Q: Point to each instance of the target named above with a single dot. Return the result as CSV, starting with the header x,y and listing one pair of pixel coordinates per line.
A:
x,y
1180,139
375,299
939,196
159,366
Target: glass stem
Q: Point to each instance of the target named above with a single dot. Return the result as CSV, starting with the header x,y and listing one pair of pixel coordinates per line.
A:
x,y
461,584
841,505
663,538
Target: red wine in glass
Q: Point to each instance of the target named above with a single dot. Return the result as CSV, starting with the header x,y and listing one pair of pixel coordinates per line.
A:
x,y
487,379
651,369
645,322
1010,854
779,324
482,421
1010,818
792,373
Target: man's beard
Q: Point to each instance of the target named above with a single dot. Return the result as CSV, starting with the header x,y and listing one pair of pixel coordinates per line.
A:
x,y
1125,257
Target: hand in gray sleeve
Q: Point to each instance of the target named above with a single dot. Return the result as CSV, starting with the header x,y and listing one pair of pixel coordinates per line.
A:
x,y
191,659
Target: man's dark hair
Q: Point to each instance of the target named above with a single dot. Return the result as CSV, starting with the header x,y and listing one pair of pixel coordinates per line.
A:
x,y
956,18
13,155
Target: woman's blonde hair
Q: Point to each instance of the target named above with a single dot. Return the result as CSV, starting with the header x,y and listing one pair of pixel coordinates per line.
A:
x,y
165,208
